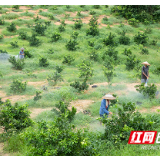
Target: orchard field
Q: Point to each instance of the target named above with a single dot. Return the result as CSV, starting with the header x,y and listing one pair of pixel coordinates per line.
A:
x,y
74,55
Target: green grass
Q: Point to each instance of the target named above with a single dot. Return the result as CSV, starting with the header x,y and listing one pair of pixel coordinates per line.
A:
x,y
71,72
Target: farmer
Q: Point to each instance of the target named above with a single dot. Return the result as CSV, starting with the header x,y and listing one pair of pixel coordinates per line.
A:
x,y
145,73
105,105
21,53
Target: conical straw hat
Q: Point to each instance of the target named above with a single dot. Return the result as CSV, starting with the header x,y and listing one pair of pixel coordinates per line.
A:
x,y
22,48
146,63
109,97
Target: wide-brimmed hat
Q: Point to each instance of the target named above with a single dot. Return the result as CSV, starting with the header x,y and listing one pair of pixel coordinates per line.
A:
x,y
22,48
146,63
109,97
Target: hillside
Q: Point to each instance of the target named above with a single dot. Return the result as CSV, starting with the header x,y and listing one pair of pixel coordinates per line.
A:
x,y
62,35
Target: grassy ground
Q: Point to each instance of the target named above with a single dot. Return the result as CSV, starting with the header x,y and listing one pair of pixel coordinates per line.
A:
x,y
122,84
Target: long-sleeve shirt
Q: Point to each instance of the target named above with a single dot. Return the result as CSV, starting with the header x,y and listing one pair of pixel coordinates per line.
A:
x,y
103,108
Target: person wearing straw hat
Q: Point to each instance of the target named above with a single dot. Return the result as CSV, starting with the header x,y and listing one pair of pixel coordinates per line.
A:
x,y
104,109
21,53
145,73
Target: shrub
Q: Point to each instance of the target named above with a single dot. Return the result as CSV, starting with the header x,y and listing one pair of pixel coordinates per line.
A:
x,y
36,19
149,90
127,52
15,117
27,54
110,40
93,30
50,51
105,19
14,44
118,128
124,39
59,69
96,6
23,35
33,40
91,43
110,52
74,35
141,38
133,22
153,42
39,28
47,23
38,96
17,86
43,62
86,70
3,51
12,27
108,70
54,78
157,71
93,55
78,24
68,59
62,137
17,64
63,23
15,6
79,86
113,102
93,21
139,12
144,51
55,37
62,106
51,16
1,36
92,12
61,28
131,62
72,45
2,22
79,13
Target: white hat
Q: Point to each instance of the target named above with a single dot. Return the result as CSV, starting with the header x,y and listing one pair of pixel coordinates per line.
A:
x,y
22,48
146,63
109,97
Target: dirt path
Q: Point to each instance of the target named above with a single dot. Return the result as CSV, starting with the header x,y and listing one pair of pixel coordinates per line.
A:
x,y
36,111
81,105
154,109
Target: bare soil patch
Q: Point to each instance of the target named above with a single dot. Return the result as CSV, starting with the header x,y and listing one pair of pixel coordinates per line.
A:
x,y
155,109
24,7
80,105
2,94
57,23
37,84
1,150
16,98
72,14
36,111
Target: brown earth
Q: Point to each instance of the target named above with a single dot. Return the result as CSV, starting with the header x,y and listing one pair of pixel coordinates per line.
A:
x,y
16,98
81,105
150,110
36,111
